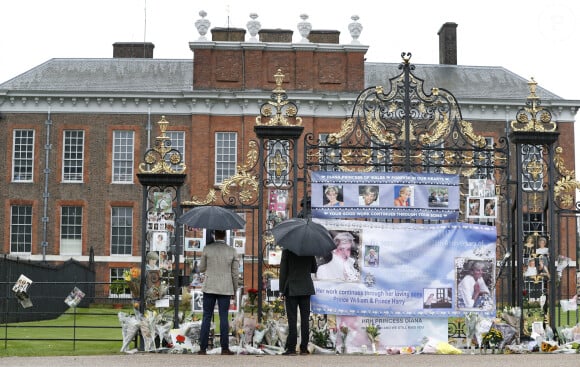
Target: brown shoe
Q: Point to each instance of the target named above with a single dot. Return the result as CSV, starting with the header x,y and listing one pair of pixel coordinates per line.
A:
x,y
202,353
227,352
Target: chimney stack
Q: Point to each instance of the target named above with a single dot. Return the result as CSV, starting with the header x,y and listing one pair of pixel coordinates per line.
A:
x,y
228,34
136,50
448,44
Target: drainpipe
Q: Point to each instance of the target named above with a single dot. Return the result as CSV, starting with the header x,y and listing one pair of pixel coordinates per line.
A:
x,y
148,128
46,195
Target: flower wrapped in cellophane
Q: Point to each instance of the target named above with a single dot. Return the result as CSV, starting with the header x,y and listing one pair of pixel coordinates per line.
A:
x,y
373,334
129,329
259,333
147,324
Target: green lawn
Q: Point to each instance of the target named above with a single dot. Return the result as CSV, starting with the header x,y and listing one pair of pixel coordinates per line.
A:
x,y
91,324
97,331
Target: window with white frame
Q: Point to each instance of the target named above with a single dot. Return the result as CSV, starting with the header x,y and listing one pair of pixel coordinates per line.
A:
x,y
21,229
72,155
123,156
22,155
121,230
532,167
71,240
117,274
226,144
177,139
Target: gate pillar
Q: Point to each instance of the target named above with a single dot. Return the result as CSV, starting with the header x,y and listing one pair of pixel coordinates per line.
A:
x,y
534,135
162,175
278,130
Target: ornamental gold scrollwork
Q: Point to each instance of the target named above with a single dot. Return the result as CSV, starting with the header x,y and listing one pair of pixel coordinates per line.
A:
x,y
285,110
441,129
346,127
162,158
533,117
566,185
209,198
356,160
467,130
244,182
382,135
535,168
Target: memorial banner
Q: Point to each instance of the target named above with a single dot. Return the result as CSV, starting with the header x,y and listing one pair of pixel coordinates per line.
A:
x,y
385,195
394,332
406,270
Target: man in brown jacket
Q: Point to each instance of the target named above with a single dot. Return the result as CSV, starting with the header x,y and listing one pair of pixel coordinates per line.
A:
x,y
220,264
296,287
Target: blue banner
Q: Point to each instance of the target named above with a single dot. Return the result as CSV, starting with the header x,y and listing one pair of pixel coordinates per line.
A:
x,y
407,270
385,195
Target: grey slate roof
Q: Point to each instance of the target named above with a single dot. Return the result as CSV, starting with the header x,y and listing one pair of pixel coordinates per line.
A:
x,y
464,82
176,75
106,75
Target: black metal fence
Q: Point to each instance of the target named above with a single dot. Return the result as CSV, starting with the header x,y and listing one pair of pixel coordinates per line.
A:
x,y
51,286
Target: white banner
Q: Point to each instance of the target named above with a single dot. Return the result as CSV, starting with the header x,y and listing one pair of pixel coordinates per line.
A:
x,y
407,270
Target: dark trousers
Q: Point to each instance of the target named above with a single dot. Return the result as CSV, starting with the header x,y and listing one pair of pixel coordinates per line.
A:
x,y
209,301
293,304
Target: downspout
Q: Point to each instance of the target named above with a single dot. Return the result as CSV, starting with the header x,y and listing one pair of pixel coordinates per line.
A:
x,y
148,128
46,195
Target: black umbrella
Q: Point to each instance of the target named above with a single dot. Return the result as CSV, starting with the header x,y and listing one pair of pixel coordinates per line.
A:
x,y
212,217
303,237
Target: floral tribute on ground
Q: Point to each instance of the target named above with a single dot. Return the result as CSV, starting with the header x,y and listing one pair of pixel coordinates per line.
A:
x,y
269,334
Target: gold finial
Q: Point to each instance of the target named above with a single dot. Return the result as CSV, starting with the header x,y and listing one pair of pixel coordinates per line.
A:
x,y
533,117
532,84
162,158
279,77
162,125
284,109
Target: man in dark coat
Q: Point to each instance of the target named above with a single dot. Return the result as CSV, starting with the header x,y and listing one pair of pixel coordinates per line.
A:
x,y
296,287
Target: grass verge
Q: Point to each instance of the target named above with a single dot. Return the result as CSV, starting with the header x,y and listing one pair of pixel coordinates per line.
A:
x,y
96,330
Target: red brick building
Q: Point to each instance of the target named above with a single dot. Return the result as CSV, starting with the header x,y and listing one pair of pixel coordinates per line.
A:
x,y
76,130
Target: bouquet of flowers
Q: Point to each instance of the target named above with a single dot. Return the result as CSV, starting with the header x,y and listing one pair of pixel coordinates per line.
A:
x,y
343,334
373,333
471,320
321,337
133,279
251,305
253,294
259,333
283,331
272,337
278,306
147,324
492,338
129,329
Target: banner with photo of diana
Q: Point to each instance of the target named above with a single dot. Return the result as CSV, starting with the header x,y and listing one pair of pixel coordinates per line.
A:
x,y
385,195
418,270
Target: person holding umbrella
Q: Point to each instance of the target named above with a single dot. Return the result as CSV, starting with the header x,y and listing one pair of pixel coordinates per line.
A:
x,y
296,287
220,264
